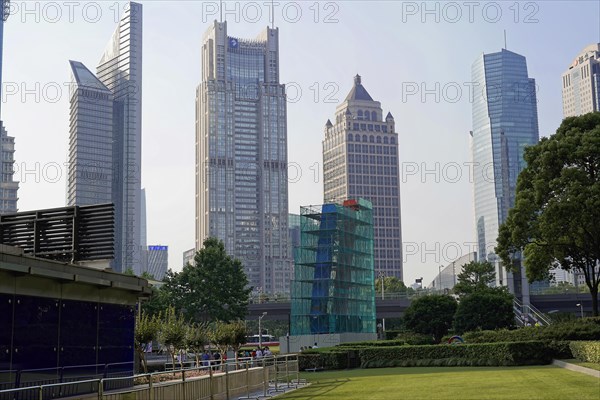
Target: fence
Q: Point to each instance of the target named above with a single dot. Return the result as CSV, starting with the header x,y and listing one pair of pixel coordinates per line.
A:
x,y
247,378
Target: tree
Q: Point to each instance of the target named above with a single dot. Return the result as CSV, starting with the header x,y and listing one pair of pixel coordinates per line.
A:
x,y
556,217
430,315
474,276
146,330
214,288
485,309
196,337
225,335
392,284
173,330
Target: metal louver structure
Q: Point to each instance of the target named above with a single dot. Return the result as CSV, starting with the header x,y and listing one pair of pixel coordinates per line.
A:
x,y
69,234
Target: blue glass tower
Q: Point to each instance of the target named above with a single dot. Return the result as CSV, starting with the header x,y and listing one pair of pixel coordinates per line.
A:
x,y
504,123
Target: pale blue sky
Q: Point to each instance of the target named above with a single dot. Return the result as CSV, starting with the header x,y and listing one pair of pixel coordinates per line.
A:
x,y
393,45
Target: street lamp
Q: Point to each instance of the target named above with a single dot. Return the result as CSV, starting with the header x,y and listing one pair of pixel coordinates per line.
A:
x,y
581,308
260,330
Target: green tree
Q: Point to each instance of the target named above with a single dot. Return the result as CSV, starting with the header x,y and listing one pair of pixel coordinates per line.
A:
x,y
214,288
196,337
173,329
431,315
146,330
392,284
475,276
225,335
485,309
556,218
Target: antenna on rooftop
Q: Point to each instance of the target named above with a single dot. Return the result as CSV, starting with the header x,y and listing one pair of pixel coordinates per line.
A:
x,y
221,10
272,15
506,48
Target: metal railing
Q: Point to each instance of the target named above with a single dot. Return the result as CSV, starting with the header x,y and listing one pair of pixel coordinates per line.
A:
x,y
249,378
527,315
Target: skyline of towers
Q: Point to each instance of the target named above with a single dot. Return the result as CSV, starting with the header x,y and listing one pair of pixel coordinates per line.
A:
x,y
360,159
581,83
106,137
241,154
504,122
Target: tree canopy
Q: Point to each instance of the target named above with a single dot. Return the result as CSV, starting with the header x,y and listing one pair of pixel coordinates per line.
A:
x,y
485,309
431,314
556,218
215,287
475,276
392,284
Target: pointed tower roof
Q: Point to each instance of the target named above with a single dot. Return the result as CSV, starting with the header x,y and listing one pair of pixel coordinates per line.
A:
x,y
84,77
358,91
389,116
328,124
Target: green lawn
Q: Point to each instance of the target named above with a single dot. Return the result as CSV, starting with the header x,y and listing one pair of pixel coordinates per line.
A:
x,y
456,383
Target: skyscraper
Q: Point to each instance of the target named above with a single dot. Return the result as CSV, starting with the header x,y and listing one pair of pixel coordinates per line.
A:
x,y
158,261
504,123
581,83
118,80
8,186
241,154
360,159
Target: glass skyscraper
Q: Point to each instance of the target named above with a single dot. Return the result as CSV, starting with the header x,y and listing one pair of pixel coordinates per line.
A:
x,y
504,123
118,78
8,186
360,159
158,261
241,155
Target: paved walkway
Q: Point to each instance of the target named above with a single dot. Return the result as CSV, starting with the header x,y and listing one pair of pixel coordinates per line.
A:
x,y
576,368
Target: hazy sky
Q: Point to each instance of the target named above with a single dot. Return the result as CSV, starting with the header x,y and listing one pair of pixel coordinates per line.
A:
x,y
414,57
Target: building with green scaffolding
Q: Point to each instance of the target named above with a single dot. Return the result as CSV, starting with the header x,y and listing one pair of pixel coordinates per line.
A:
x,y
333,290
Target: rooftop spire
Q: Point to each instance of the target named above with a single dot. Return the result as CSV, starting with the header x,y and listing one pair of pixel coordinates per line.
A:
x,y
358,91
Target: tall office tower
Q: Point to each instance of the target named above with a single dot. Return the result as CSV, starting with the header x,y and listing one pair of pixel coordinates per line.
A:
x,y
158,261
188,256
360,159
120,73
581,83
504,123
8,186
241,155
143,232
90,176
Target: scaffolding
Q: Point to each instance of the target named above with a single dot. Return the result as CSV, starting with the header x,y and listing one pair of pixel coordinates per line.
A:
x,y
333,290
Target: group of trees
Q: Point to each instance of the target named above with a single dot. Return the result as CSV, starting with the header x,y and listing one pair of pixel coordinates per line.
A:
x,y
479,306
177,334
556,218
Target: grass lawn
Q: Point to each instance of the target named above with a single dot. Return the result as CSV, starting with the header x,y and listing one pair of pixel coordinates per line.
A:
x,y
456,383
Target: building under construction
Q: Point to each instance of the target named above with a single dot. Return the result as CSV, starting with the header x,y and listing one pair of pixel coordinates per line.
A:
x,y
333,290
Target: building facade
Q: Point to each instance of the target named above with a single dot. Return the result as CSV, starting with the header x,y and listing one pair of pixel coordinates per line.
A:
x,y
581,83
158,261
188,256
90,177
8,186
360,159
119,74
447,276
241,155
504,123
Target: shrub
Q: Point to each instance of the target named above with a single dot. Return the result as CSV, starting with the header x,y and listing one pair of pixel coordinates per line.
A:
x,y
491,354
415,339
582,329
586,351
373,343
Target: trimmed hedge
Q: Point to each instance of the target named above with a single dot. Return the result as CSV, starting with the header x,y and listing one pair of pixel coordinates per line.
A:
x,y
373,343
485,354
329,358
587,351
582,329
